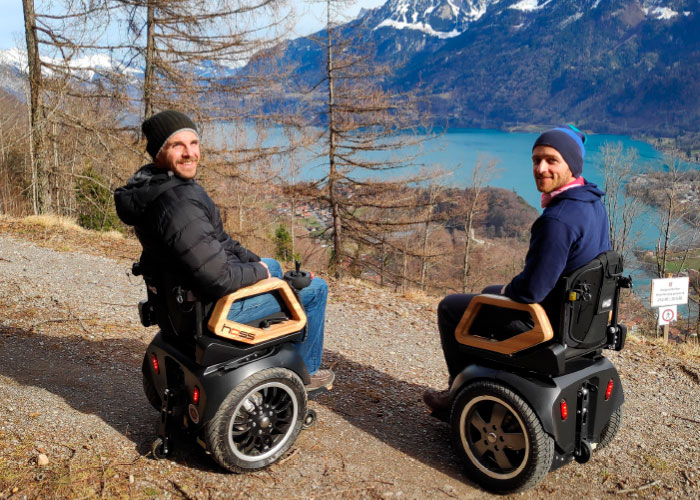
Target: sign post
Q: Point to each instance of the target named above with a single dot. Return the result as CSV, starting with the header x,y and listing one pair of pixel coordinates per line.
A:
x,y
666,294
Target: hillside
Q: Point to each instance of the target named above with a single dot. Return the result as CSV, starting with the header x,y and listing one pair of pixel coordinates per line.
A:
x,y
71,347
619,66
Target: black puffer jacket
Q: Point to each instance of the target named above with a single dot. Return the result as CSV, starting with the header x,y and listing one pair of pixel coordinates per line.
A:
x,y
181,233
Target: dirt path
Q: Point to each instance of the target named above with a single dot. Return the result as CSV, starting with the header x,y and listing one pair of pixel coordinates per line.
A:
x,y
70,389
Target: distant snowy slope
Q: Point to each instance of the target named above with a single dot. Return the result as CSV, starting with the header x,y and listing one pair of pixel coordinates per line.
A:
x,y
440,18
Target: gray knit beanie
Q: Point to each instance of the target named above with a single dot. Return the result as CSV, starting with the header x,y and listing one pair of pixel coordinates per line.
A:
x,y
162,126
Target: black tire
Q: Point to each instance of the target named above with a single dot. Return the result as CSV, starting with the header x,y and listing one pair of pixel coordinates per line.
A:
x,y
148,388
258,421
500,438
610,429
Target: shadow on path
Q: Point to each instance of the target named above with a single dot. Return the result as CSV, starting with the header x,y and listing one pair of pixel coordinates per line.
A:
x,y
103,377
391,410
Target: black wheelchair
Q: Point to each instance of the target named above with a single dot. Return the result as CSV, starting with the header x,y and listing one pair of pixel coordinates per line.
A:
x,y
236,389
529,402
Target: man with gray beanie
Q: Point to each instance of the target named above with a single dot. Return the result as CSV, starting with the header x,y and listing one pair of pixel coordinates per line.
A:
x,y
184,242
572,230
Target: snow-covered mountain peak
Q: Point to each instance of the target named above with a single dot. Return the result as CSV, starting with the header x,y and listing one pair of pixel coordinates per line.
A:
x,y
439,18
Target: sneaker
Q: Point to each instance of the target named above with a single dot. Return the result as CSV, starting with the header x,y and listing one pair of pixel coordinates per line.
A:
x,y
321,379
437,401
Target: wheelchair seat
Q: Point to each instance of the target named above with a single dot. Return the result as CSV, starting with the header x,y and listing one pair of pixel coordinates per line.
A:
x,y
578,318
203,331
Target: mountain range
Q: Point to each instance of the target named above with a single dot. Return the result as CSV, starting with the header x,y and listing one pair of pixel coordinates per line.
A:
x,y
616,66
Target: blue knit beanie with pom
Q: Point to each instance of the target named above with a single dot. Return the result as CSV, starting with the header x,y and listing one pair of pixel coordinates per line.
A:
x,y
568,140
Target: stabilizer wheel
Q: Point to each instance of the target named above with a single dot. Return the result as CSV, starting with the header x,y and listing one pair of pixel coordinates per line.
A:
x,y
258,421
310,418
158,449
585,454
500,438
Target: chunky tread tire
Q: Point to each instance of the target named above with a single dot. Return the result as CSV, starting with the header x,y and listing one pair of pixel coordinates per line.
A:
x,y
148,387
232,419
610,429
500,438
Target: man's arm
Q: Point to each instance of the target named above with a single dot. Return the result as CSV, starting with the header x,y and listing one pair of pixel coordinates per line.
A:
x,y
550,243
241,253
232,247
188,231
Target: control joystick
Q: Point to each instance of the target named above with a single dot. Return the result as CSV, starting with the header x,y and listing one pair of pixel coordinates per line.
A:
x,y
298,279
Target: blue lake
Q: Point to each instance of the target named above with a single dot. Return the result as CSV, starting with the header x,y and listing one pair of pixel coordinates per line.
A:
x,y
458,151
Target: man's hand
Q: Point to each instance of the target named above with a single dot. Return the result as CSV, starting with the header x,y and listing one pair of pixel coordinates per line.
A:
x,y
266,268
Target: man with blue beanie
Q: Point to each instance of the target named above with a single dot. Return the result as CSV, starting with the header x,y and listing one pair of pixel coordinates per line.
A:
x,y
572,230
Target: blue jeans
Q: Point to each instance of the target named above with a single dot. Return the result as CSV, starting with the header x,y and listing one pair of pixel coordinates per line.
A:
x,y
313,298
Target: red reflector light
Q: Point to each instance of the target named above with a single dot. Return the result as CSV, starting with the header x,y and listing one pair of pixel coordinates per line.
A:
x,y
195,395
154,360
608,391
563,409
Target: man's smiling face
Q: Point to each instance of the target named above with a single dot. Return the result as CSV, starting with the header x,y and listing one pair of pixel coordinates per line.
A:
x,y
549,169
180,154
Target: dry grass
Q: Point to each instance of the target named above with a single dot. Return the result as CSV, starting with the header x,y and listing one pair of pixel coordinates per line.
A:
x,y
53,221
65,235
81,474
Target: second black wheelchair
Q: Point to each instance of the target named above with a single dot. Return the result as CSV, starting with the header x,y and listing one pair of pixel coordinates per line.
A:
x,y
529,402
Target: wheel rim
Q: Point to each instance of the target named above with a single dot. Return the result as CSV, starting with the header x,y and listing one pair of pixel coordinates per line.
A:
x,y
494,437
263,421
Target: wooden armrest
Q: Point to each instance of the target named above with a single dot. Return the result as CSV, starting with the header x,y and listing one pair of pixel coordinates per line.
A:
x,y
223,327
540,332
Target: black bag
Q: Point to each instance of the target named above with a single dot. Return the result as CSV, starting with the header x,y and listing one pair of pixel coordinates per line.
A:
x,y
580,304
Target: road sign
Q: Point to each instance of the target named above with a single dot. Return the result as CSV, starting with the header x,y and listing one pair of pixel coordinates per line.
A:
x,y
669,291
667,314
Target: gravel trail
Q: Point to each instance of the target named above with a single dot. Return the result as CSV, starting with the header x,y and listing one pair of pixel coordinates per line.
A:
x,y
70,390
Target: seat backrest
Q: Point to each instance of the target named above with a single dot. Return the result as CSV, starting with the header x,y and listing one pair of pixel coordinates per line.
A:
x,y
581,304
174,306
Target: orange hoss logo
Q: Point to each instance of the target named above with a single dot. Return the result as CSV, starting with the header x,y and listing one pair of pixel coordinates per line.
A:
x,y
237,333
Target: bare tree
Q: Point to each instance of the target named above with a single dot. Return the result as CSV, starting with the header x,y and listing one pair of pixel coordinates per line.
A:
x,y
185,47
365,127
37,152
484,171
673,227
623,206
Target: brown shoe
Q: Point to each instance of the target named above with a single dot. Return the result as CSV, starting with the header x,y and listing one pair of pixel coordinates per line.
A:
x,y
437,401
322,378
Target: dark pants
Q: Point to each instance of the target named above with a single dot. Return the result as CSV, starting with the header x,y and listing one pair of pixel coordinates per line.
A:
x,y
450,312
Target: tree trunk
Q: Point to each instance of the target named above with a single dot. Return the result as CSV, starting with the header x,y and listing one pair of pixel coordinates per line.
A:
x,y
41,187
336,257
148,90
467,243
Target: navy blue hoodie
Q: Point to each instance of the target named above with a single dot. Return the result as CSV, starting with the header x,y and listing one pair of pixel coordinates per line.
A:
x,y
572,230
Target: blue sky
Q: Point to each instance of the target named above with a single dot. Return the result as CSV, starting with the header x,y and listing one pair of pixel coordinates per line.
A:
x,y
12,19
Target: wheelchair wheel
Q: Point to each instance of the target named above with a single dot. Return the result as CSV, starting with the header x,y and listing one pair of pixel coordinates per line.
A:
x,y
500,438
258,421
148,388
610,429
